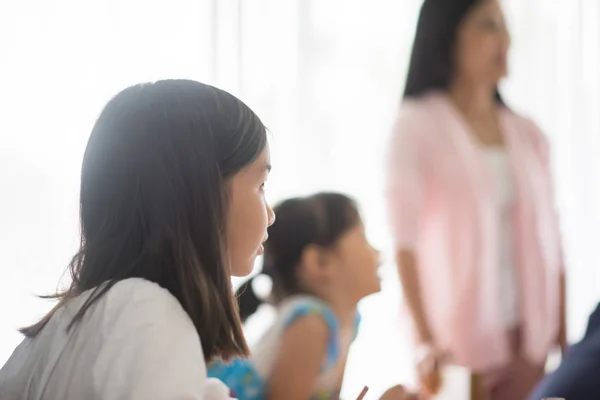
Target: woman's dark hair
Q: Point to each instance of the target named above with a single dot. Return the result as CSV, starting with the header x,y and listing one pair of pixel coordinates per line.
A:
x,y
431,60
321,220
154,200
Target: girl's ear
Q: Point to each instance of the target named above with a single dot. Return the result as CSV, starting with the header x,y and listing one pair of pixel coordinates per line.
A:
x,y
316,264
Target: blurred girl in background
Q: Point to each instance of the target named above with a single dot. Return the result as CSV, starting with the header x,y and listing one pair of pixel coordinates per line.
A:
x,y
321,265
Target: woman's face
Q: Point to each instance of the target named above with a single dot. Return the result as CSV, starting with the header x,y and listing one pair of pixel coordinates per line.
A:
x,y
482,44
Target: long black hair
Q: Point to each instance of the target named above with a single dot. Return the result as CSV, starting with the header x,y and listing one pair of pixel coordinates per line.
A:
x,y
431,60
321,219
154,198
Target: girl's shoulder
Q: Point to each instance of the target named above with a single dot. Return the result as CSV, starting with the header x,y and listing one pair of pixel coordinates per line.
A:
x,y
136,336
247,378
143,296
298,306
139,288
302,306
133,303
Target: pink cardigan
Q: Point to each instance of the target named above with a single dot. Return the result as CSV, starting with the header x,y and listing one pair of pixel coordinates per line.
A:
x,y
441,206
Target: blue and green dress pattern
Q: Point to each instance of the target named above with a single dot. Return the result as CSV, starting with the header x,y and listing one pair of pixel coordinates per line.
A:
x,y
244,380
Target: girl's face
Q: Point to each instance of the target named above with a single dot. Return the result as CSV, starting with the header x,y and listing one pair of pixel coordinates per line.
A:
x,y
357,265
249,215
482,44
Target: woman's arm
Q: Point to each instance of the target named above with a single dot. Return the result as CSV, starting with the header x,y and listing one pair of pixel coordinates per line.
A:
x,y
405,198
429,356
543,148
406,192
407,269
299,359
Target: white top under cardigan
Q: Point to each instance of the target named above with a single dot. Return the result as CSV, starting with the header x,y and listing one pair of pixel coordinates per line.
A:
x,y
497,161
135,343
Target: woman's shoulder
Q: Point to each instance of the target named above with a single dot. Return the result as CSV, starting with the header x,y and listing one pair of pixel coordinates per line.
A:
x,y
521,119
427,104
421,117
527,127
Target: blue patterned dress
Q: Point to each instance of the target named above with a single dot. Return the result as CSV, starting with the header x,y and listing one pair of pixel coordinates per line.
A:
x,y
246,378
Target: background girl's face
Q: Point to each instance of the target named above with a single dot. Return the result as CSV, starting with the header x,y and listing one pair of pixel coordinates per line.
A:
x,y
249,215
358,264
482,44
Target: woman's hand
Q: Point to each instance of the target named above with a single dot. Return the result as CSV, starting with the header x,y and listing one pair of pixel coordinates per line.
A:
x,y
430,362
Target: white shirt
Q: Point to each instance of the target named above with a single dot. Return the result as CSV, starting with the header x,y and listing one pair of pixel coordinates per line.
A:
x,y
505,197
135,343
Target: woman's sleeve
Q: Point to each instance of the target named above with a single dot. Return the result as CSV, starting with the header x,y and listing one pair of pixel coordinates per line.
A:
x,y
404,180
543,149
151,351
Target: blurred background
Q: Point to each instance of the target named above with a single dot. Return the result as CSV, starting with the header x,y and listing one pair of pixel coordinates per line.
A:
x,y
325,76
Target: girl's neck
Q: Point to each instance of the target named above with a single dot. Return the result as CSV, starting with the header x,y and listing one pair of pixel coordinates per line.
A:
x,y
343,305
345,311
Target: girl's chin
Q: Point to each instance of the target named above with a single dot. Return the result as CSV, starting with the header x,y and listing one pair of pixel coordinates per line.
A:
x,y
242,271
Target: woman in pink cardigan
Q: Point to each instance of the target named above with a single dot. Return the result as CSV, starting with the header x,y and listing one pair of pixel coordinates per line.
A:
x,y
472,208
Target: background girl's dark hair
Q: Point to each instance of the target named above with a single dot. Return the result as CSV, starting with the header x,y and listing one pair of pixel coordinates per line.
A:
x,y
321,219
154,200
431,60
